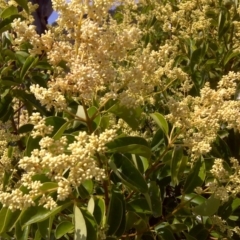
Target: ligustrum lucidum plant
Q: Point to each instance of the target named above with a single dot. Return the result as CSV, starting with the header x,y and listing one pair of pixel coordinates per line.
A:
x,y
120,124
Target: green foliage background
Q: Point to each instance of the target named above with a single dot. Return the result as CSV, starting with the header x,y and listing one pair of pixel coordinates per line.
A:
x,y
149,191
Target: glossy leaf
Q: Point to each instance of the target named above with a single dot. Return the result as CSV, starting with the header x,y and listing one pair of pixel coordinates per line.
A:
x,y
91,205
63,228
133,145
44,229
139,206
49,187
99,210
161,122
32,143
28,64
60,131
25,128
91,225
21,233
80,232
175,164
93,111
196,177
56,122
208,208
165,232
155,196
194,198
128,173
85,189
38,214
8,12
129,115
8,219
23,4
5,23
116,208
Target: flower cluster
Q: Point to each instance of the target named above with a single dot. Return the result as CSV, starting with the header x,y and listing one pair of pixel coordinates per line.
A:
x,y
66,164
223,227
226,183
200,118
40,128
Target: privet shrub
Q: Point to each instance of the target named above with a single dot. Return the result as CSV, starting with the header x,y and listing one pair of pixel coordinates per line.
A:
x,y
121,124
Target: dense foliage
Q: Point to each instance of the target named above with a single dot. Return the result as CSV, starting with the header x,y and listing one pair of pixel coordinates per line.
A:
x,y
120,124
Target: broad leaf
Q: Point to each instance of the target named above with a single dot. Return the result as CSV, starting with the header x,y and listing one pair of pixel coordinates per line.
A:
x,y
161,122
128,173
196,177
63,228
116,208
80,232
208,208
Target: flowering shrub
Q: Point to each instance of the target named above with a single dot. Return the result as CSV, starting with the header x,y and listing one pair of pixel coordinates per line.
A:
x,y
120,124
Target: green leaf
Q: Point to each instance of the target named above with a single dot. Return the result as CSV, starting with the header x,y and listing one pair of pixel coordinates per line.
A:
x,y
91,225
141,163
6,179
60,131
38,213
133,145
56,122
81,112
32,143
63,228
37,235
199,232
161,122
156,201
80,232
29,99
128,173
196,177
229,56
23,4
21,233
43,228
196,56
28,64
178,227
39,79
8,219
175,164
116,208
122,226
164,232
85,189
49,187
5,103
104,123
194,198
235,204
130,115
131,219
25,128
21,56
91,205
99,210
208,208
7,12
91,112
139,205
4,24
158,140
189,237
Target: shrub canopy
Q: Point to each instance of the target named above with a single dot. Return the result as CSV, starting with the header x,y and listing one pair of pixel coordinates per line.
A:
x,y
120,124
